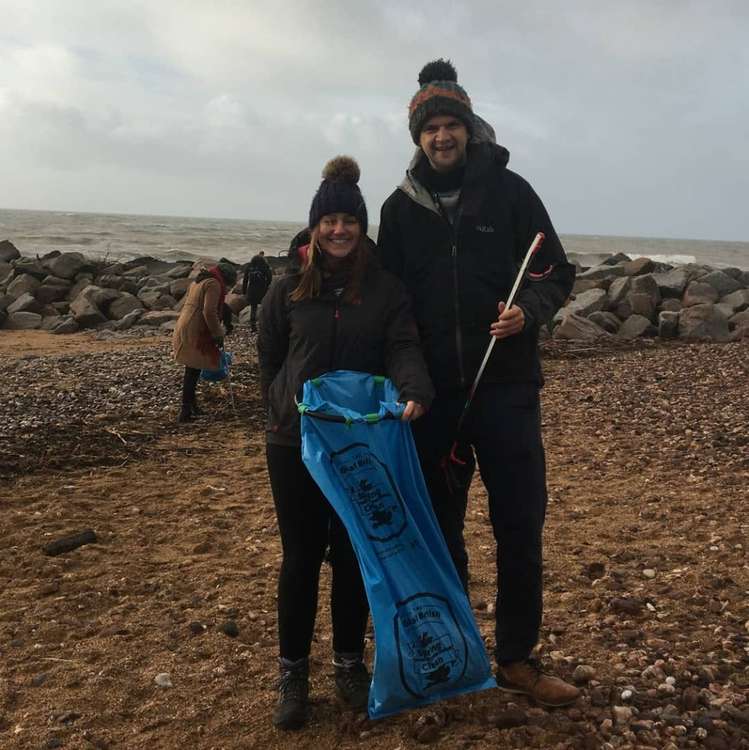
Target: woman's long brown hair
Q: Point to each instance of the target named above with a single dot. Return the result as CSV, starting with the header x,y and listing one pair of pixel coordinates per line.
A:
x,y
312,271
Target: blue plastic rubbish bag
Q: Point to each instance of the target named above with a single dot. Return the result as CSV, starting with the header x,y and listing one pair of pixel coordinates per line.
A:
x,y
364,460
222,372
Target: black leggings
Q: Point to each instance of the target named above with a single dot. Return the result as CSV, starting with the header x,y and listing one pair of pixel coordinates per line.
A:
x,y
189,384
308,524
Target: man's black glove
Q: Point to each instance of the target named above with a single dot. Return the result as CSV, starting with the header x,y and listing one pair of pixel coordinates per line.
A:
x,y
229,329
219,341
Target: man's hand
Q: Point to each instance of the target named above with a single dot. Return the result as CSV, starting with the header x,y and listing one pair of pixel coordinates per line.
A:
x,y
510,321
412,411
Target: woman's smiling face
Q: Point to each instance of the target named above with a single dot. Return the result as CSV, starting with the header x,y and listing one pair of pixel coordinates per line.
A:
x,y
338,234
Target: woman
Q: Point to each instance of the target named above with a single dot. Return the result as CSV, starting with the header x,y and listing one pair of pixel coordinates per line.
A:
x,y
336,309
199,334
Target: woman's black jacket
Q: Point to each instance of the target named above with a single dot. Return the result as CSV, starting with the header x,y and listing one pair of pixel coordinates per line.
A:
x,y
302,340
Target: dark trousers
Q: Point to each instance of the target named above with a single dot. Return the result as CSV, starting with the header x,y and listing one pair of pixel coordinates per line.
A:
x,y
308,525
504,428
190,384
253,315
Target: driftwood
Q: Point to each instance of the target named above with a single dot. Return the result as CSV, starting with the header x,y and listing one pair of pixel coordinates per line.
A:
x,y
69,543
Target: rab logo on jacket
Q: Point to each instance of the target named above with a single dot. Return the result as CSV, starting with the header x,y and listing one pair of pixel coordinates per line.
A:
x,y
372,491
432,650
486,228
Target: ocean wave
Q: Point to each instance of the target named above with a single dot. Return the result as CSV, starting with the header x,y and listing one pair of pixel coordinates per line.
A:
x,y
674,260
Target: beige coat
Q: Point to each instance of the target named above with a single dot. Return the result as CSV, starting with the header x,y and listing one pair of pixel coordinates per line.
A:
x,y
198,322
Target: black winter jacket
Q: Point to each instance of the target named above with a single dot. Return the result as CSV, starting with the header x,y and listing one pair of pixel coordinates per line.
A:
x,y
457,275
302,340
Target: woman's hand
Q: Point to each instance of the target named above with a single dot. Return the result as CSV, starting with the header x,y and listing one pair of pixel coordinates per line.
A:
x,y
412,411
510,322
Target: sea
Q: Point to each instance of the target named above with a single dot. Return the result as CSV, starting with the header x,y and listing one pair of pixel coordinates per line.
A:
x,y
127,236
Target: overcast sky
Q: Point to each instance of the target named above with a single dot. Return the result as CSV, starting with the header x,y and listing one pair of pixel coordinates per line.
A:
x,y
628,118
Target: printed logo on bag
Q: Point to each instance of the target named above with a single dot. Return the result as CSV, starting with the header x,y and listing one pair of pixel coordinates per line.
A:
x,y
371,489
432,649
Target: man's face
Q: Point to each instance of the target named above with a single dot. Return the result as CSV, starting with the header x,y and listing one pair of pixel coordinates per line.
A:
x,y
444,139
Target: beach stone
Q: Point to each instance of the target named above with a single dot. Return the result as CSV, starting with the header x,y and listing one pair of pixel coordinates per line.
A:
x,y
165,302
180,271
50,321
618,290
623,310
112,281
576,327
703,322
587,302
507,719
6,270
740,320
725,310
23,321
178,288
23,283
5,301
79,285
163,680
67,265
30,266
123,305
27,302
229,628
738,300
638,266
150,299
136,272
159,317
635,326
668,324
8,251
616,259
583,673
698,293
721,282
607,320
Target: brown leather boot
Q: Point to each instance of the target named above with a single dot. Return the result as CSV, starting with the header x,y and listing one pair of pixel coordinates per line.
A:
x,y
527,678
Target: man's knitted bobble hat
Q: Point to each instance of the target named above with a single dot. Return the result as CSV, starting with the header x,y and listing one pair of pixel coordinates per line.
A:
x,y
228,272
339,192
439,94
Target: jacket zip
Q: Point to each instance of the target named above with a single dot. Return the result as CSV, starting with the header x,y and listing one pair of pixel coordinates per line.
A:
x,y
334,337
456,298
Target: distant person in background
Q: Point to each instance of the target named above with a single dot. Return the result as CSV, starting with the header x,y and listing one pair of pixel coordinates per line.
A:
x,y
199,333
257,279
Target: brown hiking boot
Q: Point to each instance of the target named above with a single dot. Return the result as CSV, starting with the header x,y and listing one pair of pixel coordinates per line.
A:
x,y
526,677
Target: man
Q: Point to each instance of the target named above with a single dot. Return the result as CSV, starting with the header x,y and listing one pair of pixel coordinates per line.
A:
x,y
456,231
257,279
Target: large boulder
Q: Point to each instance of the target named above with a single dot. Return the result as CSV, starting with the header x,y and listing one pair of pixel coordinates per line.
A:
x,y
577,327
721,282
644,296
668,324
68,265
53,289
23,283
5,300
178,288
67,324
740,320
636,326
27,302
583,285
158,317
237,302
125,304
23,321
8,251
607,320
587,302
129,320
85,307
703,322
602,272
698,293
80,284
670,304
31,266
738,300
6,272
618,290
638,266
672,283
180,271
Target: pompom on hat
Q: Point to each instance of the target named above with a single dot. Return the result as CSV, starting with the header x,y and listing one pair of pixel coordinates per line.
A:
x,y
439,94
339,192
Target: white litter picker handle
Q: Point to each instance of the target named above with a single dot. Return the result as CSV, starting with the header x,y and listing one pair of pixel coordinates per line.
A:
x,y
532,250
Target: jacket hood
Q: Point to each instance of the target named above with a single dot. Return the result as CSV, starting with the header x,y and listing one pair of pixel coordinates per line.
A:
x,y
480,156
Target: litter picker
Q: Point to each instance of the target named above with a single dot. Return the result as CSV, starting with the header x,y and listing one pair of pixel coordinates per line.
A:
x,y
532,250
